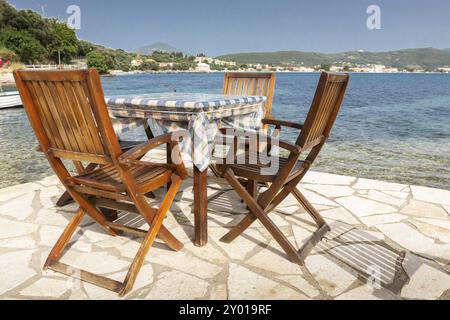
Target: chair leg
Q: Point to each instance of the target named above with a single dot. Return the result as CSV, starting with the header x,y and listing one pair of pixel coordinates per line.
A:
x,y
215,170
151,235
259,213
148,214
308,207
252,188
110,284
92,211
62,242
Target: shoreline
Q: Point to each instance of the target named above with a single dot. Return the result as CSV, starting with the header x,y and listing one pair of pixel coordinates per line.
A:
x,y
278,72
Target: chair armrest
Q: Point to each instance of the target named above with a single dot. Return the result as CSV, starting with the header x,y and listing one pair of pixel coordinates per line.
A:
x,y
281,123
271,141
143,148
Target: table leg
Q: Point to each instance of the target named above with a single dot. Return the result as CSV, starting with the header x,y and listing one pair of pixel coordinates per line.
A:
x,y
201,207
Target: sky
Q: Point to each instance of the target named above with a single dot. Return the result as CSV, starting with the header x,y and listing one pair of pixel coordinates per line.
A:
x,y
220,27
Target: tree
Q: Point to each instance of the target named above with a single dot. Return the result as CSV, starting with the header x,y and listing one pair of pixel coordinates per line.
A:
x,y
96,59
23,44
7,54
122,60
325,67
149,66
63,42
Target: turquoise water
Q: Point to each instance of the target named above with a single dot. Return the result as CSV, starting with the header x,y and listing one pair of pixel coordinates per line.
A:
x,y
393,127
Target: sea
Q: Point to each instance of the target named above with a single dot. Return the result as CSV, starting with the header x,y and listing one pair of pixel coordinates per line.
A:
x,y
392,127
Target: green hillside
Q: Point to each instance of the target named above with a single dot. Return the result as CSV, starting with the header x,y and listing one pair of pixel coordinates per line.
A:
x,y
424,57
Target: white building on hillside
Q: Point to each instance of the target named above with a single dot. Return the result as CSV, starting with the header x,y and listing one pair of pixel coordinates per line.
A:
x,y
203,67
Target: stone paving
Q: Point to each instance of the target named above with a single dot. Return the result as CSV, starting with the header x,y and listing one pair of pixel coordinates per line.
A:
x,y
388,241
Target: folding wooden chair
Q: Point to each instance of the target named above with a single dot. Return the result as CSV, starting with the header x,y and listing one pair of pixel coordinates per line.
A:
x,y
251,84
68,113
283,181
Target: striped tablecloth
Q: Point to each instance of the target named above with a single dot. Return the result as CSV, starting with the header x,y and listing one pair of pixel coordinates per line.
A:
x,y
201,114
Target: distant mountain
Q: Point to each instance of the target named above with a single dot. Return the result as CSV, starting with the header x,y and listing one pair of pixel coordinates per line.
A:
x,y
424,57
447,49
157,46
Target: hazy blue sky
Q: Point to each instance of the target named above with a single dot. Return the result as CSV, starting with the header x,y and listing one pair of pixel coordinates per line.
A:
x,y
217,27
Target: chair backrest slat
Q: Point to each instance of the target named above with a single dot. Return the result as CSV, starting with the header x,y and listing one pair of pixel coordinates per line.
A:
x,y
68,112
325,107
251,84
319,122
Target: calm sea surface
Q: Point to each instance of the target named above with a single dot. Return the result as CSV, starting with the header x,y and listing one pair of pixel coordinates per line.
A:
x,y
393,127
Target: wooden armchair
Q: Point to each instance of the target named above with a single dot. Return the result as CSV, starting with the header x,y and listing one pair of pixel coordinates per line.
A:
x,y
251,84
69,116
244,176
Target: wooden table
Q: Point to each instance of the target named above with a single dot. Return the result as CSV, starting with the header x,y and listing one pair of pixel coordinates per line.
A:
x,y
202,115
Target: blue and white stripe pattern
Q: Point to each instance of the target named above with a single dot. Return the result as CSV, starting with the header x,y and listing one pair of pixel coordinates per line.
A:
x,y
123,125
181,106
201,114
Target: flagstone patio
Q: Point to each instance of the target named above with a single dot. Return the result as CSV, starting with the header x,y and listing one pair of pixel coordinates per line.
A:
x,y
388,241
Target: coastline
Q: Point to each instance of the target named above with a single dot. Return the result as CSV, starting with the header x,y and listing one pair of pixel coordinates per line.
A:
x,y
243,71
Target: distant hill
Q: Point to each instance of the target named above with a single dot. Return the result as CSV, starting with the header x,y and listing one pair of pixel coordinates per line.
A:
x,y
157,46
424,57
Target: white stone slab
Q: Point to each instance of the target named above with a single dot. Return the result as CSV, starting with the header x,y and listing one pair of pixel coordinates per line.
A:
x,y
332,278
362,207
330,191
427,280
47,287
18,190
53,217
382,219
18,243
244,284
275,262
447,208
382,197
20,208
365,292
241,246
435,222
431,195
176,285
301,284
378,185
95,262
339,214
184,262
15,270
413,240
424,210
397,194
11,229
432,231
317,199
315,177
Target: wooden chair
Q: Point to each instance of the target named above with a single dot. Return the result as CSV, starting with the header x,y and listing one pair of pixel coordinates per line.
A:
x,y
68,113
251,84
283,181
